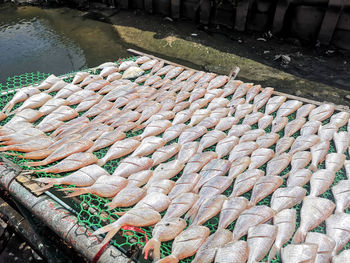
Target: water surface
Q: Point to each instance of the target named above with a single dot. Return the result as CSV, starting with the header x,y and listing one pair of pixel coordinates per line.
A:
x,y
53,41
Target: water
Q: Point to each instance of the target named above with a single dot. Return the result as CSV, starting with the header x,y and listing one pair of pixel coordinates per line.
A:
x,y
53,41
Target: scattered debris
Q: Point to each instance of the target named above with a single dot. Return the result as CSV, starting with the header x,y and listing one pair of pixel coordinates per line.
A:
x,y
261,39
194,34
286,59
266,51
168,19
329,52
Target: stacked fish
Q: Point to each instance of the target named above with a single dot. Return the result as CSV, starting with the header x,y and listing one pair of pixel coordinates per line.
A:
x,y
181,115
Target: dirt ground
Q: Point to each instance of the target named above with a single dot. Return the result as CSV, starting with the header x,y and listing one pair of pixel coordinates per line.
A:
x,y
312,71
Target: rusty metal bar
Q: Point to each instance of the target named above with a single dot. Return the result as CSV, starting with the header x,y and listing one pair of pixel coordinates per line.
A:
x,y
61,221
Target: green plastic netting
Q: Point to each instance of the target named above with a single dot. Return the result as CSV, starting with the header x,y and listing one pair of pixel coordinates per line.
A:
x,y
92,210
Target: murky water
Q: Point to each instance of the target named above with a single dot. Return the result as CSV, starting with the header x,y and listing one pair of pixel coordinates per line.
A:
x,y
53,41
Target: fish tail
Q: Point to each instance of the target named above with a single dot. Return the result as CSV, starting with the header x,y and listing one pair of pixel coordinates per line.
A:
x,y
8,107
250,204
272,253
138,138
112,229
169,259
154,245
44,188
76,191
120,213
101,162
193,211
299,236
313,167
285,176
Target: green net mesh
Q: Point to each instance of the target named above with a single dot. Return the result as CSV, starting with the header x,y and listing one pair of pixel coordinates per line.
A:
x,y
92,210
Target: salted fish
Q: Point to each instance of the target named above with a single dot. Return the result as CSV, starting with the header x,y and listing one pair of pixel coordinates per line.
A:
x,y
322,112
198,161
148,146
215,167
285,222
239,130
128,196
340,119
243,110
182,116
284,198
126,64
225,146
187,243
242,149
160,186
218,103
197,104
165,230
191,134
252,93
326,132
325,245
66,91
48,82
207,77
234,103
132,165
174,131
233,252
252,118
251,217
157,201
320,181
164,70
319,152
187,150
207,252
260,156
51,105
142,59
85,176
104,186
34,101
303,143
213,94
181,204
310,127
231,209
196,76
279,123
226,123
140,216
140,178
239,166
274,103
197,94
246,181
338,228
165,153
210,139
208,209
167,170
28,115
265,121
260,239
263,187
182,96
288,108
219,113
304,110
167,105
313,212
112,77
284,144
347,168
299,177
294,126
297,253
79,96
261,99
155,128
341,141
335,161
198,116
342,257
184,75
300,160
184,184
341,195
29,144
184,105
173,73
21,95
119,149
218,82
242,90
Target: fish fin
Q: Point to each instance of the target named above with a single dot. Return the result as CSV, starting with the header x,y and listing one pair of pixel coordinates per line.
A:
x,y
272,253
13,154
168,259
76,191
313,167
120,213
8,107
154,245
299,236
37,163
